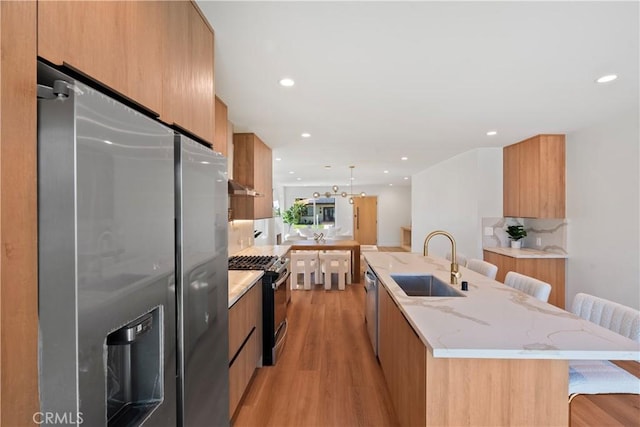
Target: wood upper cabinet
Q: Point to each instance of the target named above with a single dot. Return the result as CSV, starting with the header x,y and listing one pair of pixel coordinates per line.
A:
x,y
534,178
220,136
188,102
115,43
550,270
157,54
252,166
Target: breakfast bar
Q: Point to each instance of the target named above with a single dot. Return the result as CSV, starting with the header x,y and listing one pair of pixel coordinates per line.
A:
x,y
492,356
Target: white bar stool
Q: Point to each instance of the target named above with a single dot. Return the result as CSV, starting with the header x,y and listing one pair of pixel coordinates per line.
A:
x,y
338,262
483,267
529,285
305,263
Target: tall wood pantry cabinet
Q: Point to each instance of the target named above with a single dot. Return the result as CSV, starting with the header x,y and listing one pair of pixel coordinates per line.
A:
x,y
252,166
534,178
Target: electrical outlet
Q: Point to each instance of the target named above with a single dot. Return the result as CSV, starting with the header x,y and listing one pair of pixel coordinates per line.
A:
x,y
488,231
538,241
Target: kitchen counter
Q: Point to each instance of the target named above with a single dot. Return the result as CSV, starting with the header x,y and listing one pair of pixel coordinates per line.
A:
x,y
278,250
240,281
493,321
524,253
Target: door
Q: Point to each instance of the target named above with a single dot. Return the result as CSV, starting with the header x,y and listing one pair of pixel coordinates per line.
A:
x,y
365,220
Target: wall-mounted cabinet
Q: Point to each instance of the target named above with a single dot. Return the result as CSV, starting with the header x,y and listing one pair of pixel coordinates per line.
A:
x,y
157,54
252,167
534,178
220,136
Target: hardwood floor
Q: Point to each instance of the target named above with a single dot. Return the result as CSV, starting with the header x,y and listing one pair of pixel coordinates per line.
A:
x,y
328,375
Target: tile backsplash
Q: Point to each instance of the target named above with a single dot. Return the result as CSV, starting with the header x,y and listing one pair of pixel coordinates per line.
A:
x,y
240,235
552,233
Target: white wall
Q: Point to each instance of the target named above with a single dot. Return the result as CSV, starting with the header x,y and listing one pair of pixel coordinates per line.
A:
x,y
453,196
394,209
603,210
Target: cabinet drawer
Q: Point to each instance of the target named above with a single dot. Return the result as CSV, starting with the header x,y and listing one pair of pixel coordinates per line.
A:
x,y
241,370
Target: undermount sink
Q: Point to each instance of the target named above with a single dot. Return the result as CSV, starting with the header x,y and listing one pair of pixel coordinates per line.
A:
x,y
425,285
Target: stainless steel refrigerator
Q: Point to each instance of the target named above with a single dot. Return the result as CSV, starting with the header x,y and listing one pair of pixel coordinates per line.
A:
x,y
131,283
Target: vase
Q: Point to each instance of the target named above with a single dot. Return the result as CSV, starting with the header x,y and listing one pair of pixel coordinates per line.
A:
x,y
516,244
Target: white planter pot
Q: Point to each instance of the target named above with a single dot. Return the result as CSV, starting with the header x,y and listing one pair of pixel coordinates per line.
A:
x,y
516,244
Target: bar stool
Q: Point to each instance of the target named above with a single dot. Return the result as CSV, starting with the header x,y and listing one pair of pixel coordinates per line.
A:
x,y
483,267
305,263
338,262
529,285
602,376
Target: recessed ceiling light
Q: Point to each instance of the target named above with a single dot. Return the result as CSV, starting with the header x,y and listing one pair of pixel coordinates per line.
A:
x,y
278,159
606,79
287,82
298,179
386,171
404,158
204,162
390,185
406,177
491,133
291,172
306,135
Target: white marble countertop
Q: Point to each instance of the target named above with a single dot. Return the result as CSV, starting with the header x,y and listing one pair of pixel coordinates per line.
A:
x,y
240,281
494,320
525,253
278,250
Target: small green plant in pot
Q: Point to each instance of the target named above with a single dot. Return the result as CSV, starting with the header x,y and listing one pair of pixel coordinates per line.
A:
x,y
516,232
293,215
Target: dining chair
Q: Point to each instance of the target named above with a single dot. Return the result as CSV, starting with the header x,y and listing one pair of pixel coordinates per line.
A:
x,y
602,376
483,267
306,263
338,262
528,285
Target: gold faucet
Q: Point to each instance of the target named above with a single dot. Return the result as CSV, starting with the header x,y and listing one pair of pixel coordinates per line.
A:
x,y
455,274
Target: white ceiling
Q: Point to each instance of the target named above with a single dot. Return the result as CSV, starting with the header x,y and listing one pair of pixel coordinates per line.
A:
x,y
376,81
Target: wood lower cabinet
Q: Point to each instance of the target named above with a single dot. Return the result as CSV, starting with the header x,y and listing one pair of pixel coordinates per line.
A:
x,y
534,178
252,166
550,270
245,343
403,359
430,391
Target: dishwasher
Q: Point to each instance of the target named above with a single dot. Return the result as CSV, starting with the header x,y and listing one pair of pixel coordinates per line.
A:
x,y
371,307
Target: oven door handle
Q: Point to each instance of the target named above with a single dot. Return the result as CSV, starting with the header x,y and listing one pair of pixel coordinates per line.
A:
x,y
281,280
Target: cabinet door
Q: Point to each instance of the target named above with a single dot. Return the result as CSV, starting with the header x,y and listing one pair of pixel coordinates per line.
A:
x,y
403,358
505,264
118,44
188,78
511,180
220,136
529,171
263,165
552,180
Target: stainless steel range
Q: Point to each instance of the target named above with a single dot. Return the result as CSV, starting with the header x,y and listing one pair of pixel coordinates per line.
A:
x,y
275,284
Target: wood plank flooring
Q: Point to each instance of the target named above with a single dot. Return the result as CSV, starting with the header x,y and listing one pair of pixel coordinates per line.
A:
x,y
328,375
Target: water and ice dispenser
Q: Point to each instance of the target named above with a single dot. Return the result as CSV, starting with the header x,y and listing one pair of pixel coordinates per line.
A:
x,y
134,370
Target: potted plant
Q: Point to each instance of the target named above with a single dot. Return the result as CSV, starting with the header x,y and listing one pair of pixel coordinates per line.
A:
x,y
516,232
294,214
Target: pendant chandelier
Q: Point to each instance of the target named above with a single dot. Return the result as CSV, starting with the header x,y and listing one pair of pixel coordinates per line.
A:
x,y
335,191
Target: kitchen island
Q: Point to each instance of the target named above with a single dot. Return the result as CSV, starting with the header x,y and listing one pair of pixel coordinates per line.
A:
x,y
494,356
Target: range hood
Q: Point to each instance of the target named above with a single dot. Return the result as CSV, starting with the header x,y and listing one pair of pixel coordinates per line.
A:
x,y
237,189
